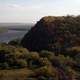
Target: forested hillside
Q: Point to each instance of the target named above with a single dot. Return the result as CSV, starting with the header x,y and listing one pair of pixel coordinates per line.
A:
x,y
49,51
53,34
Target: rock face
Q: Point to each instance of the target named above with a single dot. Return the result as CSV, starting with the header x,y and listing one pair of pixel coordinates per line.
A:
x,y
53,33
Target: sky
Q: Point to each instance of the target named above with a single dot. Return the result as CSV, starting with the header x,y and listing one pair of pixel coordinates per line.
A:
x,y
30,11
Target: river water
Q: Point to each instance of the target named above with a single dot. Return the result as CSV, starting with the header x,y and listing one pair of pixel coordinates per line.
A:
x,y
11,35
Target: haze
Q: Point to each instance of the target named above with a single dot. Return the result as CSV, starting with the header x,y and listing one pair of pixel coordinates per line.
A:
x,y
30,11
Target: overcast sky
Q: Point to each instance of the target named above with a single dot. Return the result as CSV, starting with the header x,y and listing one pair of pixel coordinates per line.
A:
x,y
32,10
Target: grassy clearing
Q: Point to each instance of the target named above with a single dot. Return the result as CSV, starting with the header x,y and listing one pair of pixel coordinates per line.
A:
x,y
15,74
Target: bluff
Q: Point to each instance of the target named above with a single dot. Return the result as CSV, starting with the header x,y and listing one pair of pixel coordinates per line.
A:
x,y
53,34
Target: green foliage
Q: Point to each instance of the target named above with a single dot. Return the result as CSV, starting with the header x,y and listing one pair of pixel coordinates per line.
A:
x,y
74,49
44,64
21,63
46,53
15,42
4,65
33,55
44,61
54,33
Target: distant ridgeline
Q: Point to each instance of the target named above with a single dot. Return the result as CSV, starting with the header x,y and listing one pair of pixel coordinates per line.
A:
x,y
53,34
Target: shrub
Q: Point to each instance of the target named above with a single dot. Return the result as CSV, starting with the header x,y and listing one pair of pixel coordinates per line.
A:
x,y
33,55
4,65
44,61
15,42
21,63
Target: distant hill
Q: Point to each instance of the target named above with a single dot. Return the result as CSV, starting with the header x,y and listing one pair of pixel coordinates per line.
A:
x,y
15,26
54,34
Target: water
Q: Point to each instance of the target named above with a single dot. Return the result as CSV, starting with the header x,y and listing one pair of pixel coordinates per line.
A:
x,y
11,35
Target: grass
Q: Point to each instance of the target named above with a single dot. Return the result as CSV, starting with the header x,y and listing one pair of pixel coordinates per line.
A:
x,y
15,74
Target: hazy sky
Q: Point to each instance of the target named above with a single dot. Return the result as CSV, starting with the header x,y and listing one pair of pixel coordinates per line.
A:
x,y
33,10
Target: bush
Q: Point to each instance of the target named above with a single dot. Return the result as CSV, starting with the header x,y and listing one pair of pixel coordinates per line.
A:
x,y
21,63
33,55
4,65
15,42
44,61
45,65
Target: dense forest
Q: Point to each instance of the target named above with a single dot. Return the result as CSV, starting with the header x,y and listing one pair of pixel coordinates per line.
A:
x,y
53,34
49,51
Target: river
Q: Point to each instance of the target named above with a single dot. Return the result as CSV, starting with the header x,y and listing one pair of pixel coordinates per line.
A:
x,y
11,35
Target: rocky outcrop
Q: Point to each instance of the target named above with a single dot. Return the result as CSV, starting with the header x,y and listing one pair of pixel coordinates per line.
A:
x,y
53,33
